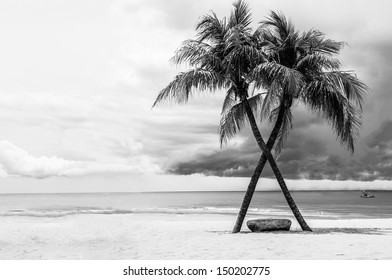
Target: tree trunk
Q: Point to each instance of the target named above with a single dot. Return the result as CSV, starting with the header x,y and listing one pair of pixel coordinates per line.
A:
x,y
259,168
274,167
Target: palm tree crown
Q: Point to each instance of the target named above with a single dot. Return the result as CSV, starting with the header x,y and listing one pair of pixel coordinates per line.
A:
x,y
222,56
303,67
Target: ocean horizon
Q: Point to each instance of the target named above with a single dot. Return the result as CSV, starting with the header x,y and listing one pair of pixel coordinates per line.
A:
x,y
313,204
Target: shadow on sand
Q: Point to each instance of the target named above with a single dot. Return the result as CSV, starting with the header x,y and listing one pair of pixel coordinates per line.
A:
x,y
369,231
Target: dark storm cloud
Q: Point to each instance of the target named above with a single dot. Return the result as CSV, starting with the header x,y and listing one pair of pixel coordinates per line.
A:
x,y
377,162
219,164
237,161
303,157
374,163
300,151
313,161
381,139
304,120
241,160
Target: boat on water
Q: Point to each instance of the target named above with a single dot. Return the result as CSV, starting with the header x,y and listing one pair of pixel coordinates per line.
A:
x,y
365,194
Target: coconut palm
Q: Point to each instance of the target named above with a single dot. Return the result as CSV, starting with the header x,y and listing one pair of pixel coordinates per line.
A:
x,y
226,55
300,68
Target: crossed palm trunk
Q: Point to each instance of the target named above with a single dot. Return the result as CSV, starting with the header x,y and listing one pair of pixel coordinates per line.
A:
x,y
263,159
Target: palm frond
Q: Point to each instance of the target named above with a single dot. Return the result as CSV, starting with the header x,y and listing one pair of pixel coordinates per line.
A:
x,y
244,57
268,73
354,89
315,41
232,122
281,27
346,83
181,87
211,28
256,101
317,62
270,41
198,55
352,125
271,100
324,95
234,119
240,15
191,51
287,125
237,35
229,101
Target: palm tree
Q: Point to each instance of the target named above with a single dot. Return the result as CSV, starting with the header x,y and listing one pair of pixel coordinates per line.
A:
x,y
226,55
300,68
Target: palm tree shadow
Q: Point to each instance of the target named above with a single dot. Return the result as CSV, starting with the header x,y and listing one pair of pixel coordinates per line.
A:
x,y
369,231
318,231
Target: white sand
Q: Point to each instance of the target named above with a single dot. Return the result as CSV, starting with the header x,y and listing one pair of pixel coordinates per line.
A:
x,y
165,236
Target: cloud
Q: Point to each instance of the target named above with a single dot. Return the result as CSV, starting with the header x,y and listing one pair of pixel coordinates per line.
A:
x,y
84,94
304,157
236,160
17,162
126,148
240,159
381,139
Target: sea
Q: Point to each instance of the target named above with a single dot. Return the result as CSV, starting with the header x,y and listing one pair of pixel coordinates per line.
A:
x,y
316,204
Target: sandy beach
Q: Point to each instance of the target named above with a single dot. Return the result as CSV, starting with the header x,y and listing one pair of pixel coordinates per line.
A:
x,y
168,236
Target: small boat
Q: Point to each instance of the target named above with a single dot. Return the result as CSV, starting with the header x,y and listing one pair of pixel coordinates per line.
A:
x,y
365,194
368,196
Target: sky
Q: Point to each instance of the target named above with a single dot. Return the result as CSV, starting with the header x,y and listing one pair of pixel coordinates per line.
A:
x,y
78,79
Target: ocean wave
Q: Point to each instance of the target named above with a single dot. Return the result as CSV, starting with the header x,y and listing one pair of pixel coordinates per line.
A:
x,y
53,213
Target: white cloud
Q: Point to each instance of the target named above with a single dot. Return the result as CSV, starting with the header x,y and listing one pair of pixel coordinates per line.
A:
x,y
126,147
17,162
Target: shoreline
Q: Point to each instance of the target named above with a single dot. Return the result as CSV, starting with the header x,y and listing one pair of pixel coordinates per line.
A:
x,y
190,236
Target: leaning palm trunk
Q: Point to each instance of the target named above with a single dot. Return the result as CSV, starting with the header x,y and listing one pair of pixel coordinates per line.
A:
x,y
249,193
256,174
275,169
